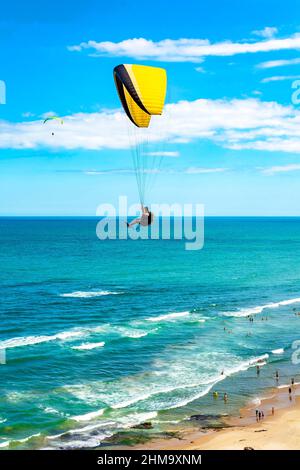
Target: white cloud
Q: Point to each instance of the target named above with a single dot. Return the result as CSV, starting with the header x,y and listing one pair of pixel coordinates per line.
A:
x,y
198,170
163,154
235,124
48,114
270,145
281,169
183,50
278,63
28,114
188,171
267,33
279,78
200,69
92,131
108,172
121,171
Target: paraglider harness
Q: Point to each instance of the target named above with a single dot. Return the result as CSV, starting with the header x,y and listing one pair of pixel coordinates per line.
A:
x,y
150,218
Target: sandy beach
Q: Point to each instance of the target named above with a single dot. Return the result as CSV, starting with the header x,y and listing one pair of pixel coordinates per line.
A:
x,y
280,431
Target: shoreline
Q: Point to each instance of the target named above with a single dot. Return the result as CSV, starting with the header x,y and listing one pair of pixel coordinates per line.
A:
x,y
280,431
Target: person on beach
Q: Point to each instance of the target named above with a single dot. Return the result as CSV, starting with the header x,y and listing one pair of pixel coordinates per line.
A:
x,y
257,370
145,219
225,397
273,410
262,415
259,415
277,375
290,393
292,381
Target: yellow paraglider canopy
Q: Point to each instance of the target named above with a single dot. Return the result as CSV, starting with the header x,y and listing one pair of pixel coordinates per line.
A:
x,y
142,91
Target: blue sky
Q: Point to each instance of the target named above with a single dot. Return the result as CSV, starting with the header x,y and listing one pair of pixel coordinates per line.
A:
x,y
230,118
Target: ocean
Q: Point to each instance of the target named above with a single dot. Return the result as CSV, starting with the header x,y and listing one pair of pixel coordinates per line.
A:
x,y
101,337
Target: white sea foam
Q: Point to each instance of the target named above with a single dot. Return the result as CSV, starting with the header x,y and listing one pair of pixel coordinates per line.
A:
x,y
91,427
244,312
119,422
256,401
65,335
131,332
173,382
134,331
193,397
287,385
52,411
260,360
4,444
168,316
278,351
88,346
27,438
30,340
108,429
90,442
134,419
169,421
16,397
55,436
131,401
88,416
90,294
69,335
243,366
136,334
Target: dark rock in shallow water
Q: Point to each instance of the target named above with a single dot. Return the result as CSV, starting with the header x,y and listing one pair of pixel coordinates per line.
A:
x,y
209,421
173,435
146,425
204,417
126,438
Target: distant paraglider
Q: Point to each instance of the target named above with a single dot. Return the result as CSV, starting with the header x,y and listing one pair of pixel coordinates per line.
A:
x,y
53,117
50,118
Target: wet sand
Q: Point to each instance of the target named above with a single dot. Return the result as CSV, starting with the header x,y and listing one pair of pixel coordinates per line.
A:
x,y
279,431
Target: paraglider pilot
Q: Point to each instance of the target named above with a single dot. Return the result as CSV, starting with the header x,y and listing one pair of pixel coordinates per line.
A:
x,y
145,219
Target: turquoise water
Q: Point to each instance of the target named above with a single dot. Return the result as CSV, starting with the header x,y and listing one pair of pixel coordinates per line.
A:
x,y
101,336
